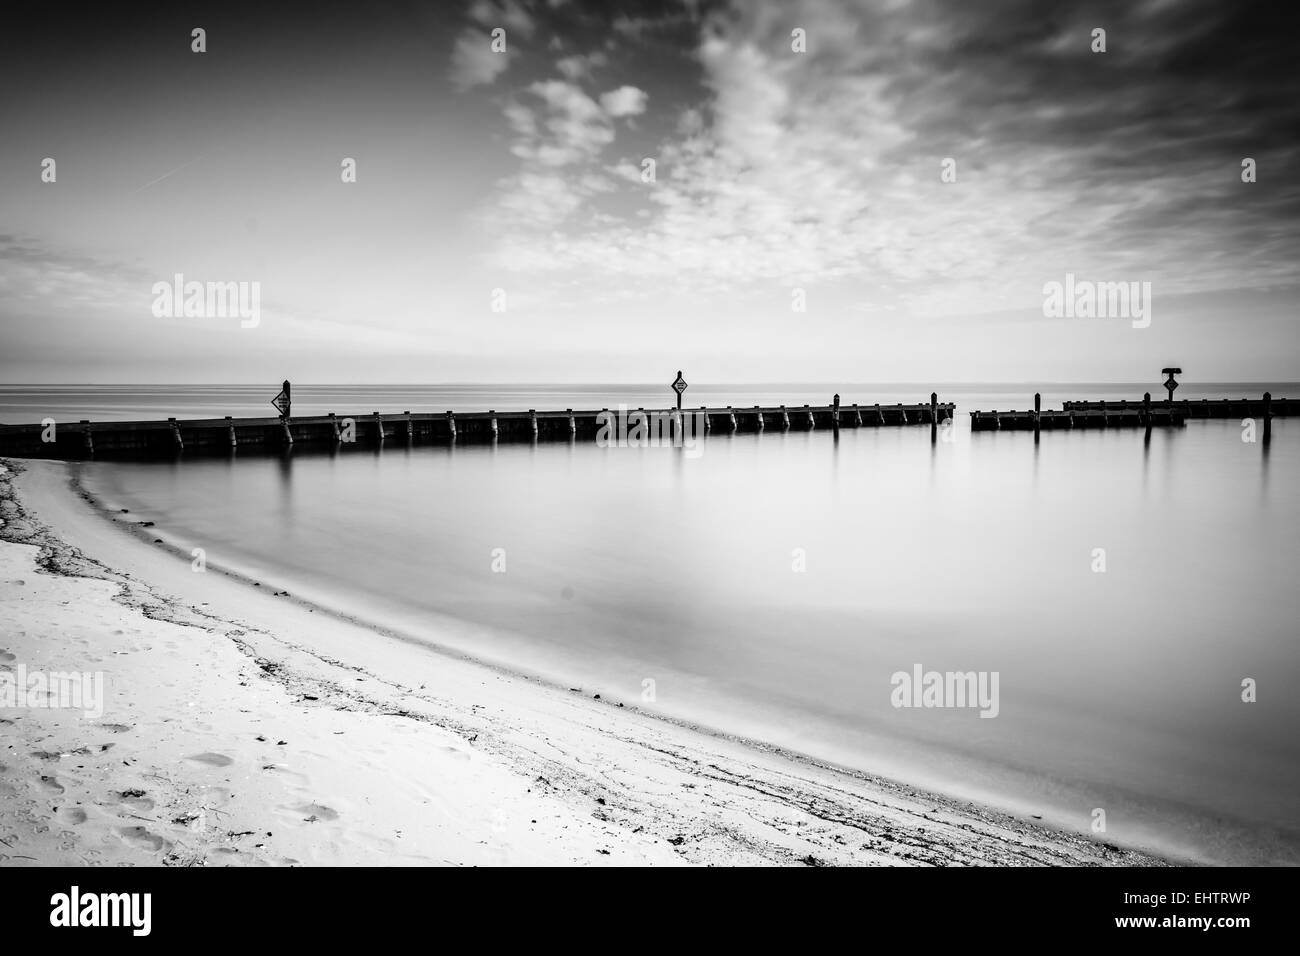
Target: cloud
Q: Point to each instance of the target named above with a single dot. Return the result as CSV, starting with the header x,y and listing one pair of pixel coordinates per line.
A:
x,y
624,101
579,67
566,127
474,63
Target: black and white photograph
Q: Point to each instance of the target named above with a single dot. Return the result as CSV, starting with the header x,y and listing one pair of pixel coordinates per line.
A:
x,y
525,434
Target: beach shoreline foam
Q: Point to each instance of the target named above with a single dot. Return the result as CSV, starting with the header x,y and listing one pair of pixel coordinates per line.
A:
x,y
245,727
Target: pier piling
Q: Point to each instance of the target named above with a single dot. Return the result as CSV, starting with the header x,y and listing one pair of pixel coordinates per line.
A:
x,y
1268,417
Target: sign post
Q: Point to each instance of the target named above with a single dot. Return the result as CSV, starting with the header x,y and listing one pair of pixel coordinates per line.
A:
x,y
679,386
1170,384
281,401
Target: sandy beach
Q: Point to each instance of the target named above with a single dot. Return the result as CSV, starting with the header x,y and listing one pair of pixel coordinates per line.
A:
x,y
243,726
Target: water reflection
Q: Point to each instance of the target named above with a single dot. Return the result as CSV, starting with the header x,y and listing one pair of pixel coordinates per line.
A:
x,y
680,568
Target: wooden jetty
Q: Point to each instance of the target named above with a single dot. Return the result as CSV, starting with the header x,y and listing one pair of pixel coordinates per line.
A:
x,y
86,439
1135,414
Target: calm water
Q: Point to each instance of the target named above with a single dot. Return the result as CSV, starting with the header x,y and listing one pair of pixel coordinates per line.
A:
x,y
1119,690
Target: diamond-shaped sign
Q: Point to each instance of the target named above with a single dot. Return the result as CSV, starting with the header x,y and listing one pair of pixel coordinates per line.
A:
x,y
281,403
679,386
1170,383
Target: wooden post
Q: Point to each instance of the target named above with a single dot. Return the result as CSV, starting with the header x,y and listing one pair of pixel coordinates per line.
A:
x,y
234,441
785,419
495,431
379,427
708,425
811,424
176,435
532,418
410,426
1268,417
902,414
85,437
1038,413
731,417
334,426
758,416
835,413
880,416
573,425
451,424
857,415
1146,412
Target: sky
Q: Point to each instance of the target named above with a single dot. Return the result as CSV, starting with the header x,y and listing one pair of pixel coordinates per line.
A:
x,y
783,176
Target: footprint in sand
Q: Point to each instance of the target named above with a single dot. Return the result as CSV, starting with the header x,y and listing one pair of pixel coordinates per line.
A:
x,y
141,838
51,785
210,760
115,728
313,812
6,657
135,799
72,816
301,779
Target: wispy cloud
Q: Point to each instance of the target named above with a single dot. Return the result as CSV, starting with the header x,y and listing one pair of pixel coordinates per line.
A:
x,y
825,166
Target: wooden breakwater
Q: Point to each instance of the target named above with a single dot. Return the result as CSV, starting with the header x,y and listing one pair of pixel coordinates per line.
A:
x,y
1136,414
86,439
